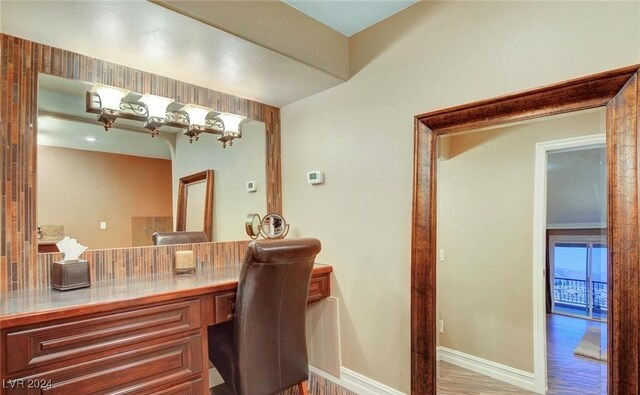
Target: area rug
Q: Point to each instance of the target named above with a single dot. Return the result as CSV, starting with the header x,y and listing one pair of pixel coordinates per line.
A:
x,y
591,345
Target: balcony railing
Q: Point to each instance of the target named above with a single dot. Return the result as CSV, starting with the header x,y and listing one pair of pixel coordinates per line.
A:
x,y
574,292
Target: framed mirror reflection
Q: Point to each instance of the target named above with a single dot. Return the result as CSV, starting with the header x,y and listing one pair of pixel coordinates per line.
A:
x,y
115,189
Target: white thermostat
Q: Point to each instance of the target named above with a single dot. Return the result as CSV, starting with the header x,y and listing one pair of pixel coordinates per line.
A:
x,y
315,177
251,186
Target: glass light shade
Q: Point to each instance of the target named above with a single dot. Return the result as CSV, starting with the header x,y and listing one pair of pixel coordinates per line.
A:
x,y
197,114
110,96
231,122
157,105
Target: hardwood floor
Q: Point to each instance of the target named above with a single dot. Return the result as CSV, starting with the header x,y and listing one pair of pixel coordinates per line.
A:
x,y
569,374
454,380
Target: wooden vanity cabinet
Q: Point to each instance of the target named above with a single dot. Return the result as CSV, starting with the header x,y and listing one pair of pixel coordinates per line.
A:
x,y
150,345
157,349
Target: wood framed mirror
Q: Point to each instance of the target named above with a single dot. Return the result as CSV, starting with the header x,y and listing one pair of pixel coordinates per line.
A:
x,y
195,203
20,247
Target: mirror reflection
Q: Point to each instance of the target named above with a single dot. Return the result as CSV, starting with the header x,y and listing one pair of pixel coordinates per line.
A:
x,y
487,222
114,189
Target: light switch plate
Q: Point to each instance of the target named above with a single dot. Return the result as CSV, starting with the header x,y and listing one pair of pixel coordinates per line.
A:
x,y
103,225
251,186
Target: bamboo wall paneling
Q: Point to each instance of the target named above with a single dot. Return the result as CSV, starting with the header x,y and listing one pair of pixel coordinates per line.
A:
x,y
22,60
619,90
623,114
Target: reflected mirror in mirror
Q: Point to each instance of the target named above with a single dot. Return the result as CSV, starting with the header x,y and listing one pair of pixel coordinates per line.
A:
x,y
195,203
195,195
114,189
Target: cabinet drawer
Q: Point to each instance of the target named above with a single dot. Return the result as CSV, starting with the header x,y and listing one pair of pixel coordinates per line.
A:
x,y
225,306
194,387
319,288
95,337
133,372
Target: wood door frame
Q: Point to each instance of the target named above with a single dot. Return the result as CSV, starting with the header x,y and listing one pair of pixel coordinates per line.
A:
x,y
617,90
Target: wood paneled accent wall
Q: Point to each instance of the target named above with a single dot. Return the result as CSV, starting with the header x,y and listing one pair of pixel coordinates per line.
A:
x,y
619,91
22,61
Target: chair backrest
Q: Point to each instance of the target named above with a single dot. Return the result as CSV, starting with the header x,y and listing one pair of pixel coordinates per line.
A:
x,y
270,350
168,238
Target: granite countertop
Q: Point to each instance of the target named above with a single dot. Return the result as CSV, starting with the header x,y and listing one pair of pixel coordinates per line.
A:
x,y
44,299
19,303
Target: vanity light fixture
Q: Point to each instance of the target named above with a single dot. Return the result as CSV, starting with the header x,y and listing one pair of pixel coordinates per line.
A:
x,y
202,120
157,110
232,128
111,103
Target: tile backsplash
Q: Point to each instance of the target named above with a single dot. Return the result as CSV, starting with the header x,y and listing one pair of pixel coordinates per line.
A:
x,y
120,263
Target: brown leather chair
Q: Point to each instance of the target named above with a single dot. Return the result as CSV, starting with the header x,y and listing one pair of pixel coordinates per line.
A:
x,y
263,350
168,238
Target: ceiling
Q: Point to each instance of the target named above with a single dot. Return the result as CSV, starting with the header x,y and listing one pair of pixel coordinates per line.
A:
x,y
150,37
348,16
243,48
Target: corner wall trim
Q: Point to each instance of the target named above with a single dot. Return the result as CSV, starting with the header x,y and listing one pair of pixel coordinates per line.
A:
x,y
356,382
496,370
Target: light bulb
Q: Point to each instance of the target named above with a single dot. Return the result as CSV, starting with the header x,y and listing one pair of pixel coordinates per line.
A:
x,y
157,105
110,96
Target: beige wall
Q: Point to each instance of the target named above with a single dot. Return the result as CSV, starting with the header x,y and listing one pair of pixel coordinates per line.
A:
x,y
315,44
79,189
485,226
429,56
232,168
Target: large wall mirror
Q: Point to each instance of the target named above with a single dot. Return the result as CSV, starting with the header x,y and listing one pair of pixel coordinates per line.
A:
x,y
113,189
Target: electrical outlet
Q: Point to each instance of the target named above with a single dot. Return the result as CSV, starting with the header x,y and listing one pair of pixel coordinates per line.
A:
x,y
441,326
103,225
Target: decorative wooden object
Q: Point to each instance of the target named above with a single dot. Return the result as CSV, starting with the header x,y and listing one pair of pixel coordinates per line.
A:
x,y
22,61
203,176
619,90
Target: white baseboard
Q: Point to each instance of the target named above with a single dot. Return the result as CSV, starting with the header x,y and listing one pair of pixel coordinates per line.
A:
x,y
496,370
357,383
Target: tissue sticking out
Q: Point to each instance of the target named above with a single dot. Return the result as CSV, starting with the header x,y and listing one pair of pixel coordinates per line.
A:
x,y
70,248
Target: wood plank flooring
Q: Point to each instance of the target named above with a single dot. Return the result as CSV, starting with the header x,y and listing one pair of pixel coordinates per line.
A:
x,y
568,374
